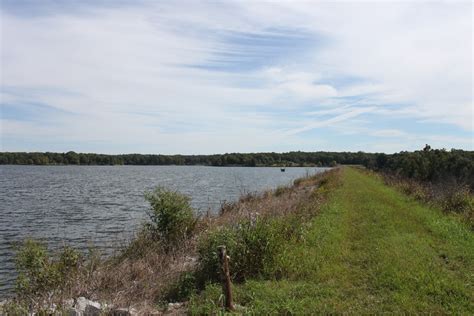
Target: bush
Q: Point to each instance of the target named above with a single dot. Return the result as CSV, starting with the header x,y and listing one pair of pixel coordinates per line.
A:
x,y
253,247
38,273
459,200
172,218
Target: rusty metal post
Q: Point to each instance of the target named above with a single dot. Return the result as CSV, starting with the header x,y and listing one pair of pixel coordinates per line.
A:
x,y
225,277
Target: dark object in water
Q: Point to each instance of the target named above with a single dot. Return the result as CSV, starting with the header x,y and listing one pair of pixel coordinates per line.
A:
x,y
282,169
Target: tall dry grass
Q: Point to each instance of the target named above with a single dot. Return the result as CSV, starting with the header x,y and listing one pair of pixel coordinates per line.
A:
x,y
450,196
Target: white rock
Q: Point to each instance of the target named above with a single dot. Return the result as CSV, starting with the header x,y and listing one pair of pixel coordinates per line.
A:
x,y
87,307
69,302
174,305
81,303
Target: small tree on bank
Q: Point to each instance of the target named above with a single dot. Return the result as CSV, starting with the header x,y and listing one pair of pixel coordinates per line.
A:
x,y
171,216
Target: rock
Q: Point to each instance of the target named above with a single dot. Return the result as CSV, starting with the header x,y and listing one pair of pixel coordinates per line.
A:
x,y
125,312
69,302
174,305
71,311
93,309
81,303
87,307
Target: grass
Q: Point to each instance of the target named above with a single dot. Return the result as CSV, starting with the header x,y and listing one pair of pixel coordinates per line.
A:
x,y
371,249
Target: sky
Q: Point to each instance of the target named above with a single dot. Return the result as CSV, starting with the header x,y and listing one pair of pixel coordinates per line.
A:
x,y
202,77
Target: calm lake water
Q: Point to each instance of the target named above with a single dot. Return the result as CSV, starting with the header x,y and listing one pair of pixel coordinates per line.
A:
x,y
104,205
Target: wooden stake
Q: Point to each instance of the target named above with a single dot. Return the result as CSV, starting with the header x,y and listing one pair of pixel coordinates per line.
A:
x,y
225,277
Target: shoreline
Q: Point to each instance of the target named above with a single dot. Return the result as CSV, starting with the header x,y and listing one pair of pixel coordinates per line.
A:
x,y
127,234
314,237
230,214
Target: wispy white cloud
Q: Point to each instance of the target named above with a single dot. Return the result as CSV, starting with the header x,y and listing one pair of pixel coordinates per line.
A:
x,y
150,76
328,122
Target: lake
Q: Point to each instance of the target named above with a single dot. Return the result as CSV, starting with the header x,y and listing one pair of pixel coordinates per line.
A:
x,y
104,205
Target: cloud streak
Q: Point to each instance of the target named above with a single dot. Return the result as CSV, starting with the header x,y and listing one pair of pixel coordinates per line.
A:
x,y
152,77
336,119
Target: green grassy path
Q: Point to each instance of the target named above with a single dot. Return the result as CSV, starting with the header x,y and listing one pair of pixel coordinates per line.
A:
x,y
371,249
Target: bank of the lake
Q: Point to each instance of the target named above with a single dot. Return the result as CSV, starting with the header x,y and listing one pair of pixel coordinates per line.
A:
x,y
342,241
104,206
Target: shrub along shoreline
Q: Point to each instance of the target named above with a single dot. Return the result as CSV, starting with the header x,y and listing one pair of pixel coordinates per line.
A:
x,y
174,255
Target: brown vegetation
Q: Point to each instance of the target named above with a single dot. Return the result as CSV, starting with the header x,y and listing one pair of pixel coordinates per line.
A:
x,y
451,197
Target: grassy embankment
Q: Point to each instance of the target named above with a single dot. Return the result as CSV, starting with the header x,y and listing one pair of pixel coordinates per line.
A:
x,y
342,241
371,249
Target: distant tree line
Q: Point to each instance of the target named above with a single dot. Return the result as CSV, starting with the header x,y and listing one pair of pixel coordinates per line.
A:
x,y
234,159
424,165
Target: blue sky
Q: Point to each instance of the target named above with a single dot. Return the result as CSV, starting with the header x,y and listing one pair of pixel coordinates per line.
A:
x,y
197,77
